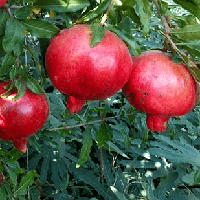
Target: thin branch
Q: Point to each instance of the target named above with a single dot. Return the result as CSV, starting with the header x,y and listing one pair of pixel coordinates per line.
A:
x,y
101,165
104,18
167,35
86,123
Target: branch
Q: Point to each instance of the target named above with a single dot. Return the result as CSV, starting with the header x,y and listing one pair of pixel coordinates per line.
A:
x,y
167,36
104,18
86,123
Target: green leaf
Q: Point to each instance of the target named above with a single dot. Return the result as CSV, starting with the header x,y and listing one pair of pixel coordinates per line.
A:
x,y
163,7
20,89
40,28
188,32
45,167
88,177
33,84
119,195
3,19
13,72
63,5
14,35
25,182
103,135
23,12
192,6
115,148
175,151
195,72
128,2
55,177
143,10
7,62
197,176
100,9
86,148
135,48
9,88
97,33
3,194
12,176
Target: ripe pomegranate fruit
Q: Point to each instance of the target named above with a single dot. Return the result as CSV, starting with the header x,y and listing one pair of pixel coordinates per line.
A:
x,y
21,118
86,73
161,88
2,2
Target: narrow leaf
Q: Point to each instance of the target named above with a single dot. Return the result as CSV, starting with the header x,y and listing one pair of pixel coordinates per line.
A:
x,y
45,167
63,5
13,39
119,195
8,60
33,84
12,176
97,34
20,89
3,19
40,28
86,148
143,10
103,135
188,32
101,8
25,182
135,48
192,6
88,177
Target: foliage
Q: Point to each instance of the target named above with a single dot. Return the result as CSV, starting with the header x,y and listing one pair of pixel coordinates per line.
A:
x,y
80,156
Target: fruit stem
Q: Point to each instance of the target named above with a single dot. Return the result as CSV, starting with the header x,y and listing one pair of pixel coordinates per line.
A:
x,y
104,18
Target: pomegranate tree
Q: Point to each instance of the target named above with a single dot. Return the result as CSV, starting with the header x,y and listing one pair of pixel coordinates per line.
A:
x,y
84,72
160,88
2,2
23,117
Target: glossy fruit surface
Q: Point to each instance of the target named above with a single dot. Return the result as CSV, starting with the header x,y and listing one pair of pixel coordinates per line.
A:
x,y
2,2
21,118
160,88
86,73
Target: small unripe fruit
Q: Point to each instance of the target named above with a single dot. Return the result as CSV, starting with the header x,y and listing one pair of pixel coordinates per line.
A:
x,y
23,117
160,88
86,73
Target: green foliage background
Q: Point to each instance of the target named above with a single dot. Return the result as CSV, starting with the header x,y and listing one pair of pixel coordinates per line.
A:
x,y
80,156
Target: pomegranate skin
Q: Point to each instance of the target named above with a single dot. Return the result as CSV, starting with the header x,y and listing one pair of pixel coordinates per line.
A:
x,y
86,73
21,118
2,2
160,88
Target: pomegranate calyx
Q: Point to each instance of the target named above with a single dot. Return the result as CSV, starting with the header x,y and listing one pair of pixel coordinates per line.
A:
x,y
158,123
21,144
75,105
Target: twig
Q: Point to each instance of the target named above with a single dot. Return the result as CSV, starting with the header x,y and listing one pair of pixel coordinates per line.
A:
x,y
86,123
101,165
167,35
104,18
188,186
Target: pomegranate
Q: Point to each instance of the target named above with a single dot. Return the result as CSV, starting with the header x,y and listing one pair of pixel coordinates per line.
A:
x,y
2,2
21,118
160,88
86,73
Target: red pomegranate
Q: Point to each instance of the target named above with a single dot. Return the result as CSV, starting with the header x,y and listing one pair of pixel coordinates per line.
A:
x,y
86,73
2,2
21,118
160,88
